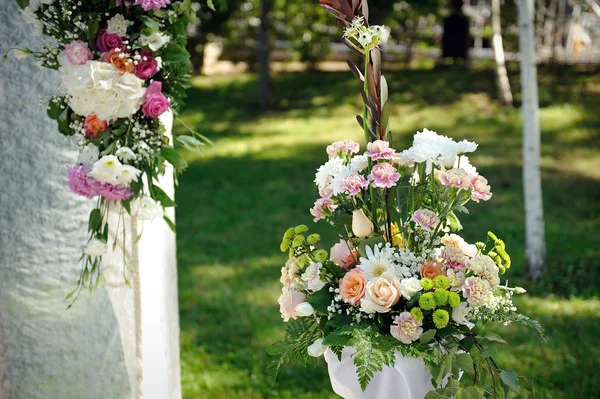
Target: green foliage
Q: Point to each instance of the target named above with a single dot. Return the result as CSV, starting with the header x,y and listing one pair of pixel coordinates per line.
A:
x,y
299,335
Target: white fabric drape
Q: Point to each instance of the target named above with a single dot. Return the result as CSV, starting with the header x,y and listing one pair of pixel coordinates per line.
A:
x,y
408,379
46,352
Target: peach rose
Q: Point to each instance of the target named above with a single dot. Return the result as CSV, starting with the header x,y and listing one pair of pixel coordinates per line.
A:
x,y
94,125
351,260
431,269
353,286
382,293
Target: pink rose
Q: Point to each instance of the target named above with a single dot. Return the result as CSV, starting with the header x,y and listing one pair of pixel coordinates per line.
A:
x,y
288,301
384,175
78,53
339,252
354,183
380,149
152,4
108,41
155,103
146,66
426,219
481,189
406,329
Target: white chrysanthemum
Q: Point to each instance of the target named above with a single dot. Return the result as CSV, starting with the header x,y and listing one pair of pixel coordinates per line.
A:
x,y
107,169
119,25
359,163
95,248
88,155
146,209
327,172
125,154
128,174
155,40
379,260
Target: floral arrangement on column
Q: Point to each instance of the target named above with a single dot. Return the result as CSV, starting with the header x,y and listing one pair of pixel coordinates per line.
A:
x,y
123,65
401,278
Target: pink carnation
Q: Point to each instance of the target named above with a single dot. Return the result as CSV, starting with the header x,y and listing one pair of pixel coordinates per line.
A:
x,y
380,149
458,178
384,175
321,207
78,53
80,183
354,183
345,146
112,192
406,329
453,257
155,103
481,189
425,218
477,291
147,65
152,4
108,41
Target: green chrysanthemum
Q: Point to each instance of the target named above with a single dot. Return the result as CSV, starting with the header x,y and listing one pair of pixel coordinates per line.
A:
x,y
285,244
313,239
300,229
289,234
453,299
416,314
441,297
427,301
441,282
427,283
440,318
320,255
298,240
303,260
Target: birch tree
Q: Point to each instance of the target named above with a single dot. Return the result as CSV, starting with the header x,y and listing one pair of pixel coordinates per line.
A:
x,y
535,245
265,85
504,92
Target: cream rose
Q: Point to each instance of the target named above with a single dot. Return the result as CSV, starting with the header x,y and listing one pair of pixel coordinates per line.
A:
x,y
409,287
381,294
288,301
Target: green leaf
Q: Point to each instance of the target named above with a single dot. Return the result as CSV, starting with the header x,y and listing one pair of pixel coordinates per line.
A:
x,y
95,220
149,22
64,122
54,110
511,379
320,300
490,336
385,118
173,157
175,53
190,143
453,221
470,393
371,242
211,5
465,363
489,351
159,195
427,336
24,3
434,395
170,223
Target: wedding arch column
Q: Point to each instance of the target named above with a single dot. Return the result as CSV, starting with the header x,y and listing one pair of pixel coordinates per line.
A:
x,y
121,345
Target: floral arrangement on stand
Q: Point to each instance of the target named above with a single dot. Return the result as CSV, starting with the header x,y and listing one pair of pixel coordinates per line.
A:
x,y
124,65
400,279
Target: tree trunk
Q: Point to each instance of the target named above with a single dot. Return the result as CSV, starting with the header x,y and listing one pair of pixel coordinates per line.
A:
x,y
549,29
265,85
535,252
504,92
539,22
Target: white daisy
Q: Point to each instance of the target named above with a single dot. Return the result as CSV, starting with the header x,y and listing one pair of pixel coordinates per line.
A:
x,y
380,259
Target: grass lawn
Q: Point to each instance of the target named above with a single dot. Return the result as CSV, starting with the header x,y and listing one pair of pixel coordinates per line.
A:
x,y
236,202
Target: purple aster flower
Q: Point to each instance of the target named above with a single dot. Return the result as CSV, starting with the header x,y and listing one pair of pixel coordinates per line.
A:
x,y
113,192
80,183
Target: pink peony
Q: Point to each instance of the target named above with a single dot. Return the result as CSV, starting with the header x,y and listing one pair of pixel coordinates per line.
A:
x,y
477,291
453,257
354,183
155,103
458,178
112,192
80,183
380,149
384,175
406,329
322,207
146,66
481,189
288,301
345,146
152,4
108,41
425,218
78,53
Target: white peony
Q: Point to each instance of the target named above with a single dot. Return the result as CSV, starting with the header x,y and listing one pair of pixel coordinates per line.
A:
x,y
107,169
409,287
155,41
462,314
99,88
119,25
88,155
95,248
147,209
